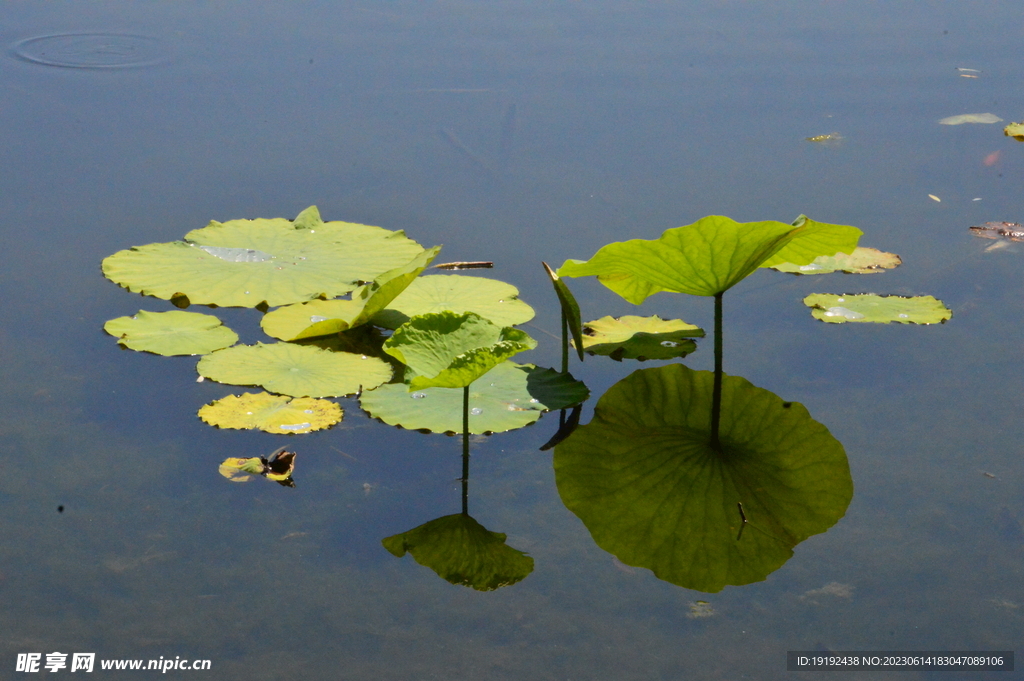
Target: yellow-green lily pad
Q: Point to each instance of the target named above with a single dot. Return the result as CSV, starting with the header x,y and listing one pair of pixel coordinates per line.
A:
x,y
640,338
861,261
171,333
239,469
271,413
1015,130
491,299
869,307
296,370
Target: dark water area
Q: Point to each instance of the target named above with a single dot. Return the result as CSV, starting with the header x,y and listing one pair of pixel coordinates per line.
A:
x,y
513,132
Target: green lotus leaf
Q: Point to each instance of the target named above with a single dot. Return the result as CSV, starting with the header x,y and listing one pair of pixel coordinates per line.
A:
x,y
570,309
462,551
491,299
861,261
320,318
296,370
451,350
238,469
709,256
869,307
1015,130
243,263
640,338
171,333
645,481
511,396
271,413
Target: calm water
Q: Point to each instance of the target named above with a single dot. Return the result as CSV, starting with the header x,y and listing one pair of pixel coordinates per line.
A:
x,y
629,118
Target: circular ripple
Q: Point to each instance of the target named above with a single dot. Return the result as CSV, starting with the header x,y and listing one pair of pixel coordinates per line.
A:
x,y
90,50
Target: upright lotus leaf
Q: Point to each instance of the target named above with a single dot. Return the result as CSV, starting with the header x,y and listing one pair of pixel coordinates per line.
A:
x,y
462,551
570,309
645,481
869,307
491,299
171,333
323,317
271,413
707,257
511,396
296,370
243,263
861,261
451,350
640,338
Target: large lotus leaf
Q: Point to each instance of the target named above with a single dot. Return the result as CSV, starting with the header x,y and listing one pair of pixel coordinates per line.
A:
x,y
491,299
510,397
869,307
320,318
271,413
171,333
644,479
451,350
570,309
640,338
861,261
243,263
296,370
462,551
707,257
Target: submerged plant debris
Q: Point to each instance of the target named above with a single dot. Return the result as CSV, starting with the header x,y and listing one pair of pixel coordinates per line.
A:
x,y
970,118
1011,231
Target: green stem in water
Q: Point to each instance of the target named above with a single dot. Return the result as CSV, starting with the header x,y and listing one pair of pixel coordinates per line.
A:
x,y
716,398
465,451
565,342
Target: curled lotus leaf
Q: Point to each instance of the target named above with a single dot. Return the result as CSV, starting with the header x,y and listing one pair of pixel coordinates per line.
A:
x,y
296,370
239,469
870,307
271,413
243,263
494,300
510,396
861,261
640,338
709,256
171,333
462,551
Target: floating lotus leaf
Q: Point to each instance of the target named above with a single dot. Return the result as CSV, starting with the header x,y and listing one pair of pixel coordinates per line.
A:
x,y
171,333
869,307
645,481
1015,130
323,317
242,263
511,396
462,551
242,470
271,413
297,370
570,309
451,350
861,261
491,299
970,118
640,338
709,256
278,467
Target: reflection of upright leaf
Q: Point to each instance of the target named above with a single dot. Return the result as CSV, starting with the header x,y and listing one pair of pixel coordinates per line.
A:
x,y
709,256
645,481
451,350
462,551
570,308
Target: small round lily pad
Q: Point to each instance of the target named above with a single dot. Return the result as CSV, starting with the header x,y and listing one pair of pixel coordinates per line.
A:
x,y
640,338
870,307
861,261
171,333
297,370
1015,130
493,300
271,413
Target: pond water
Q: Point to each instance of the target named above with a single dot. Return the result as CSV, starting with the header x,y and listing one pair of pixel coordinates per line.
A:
x,y
514,132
